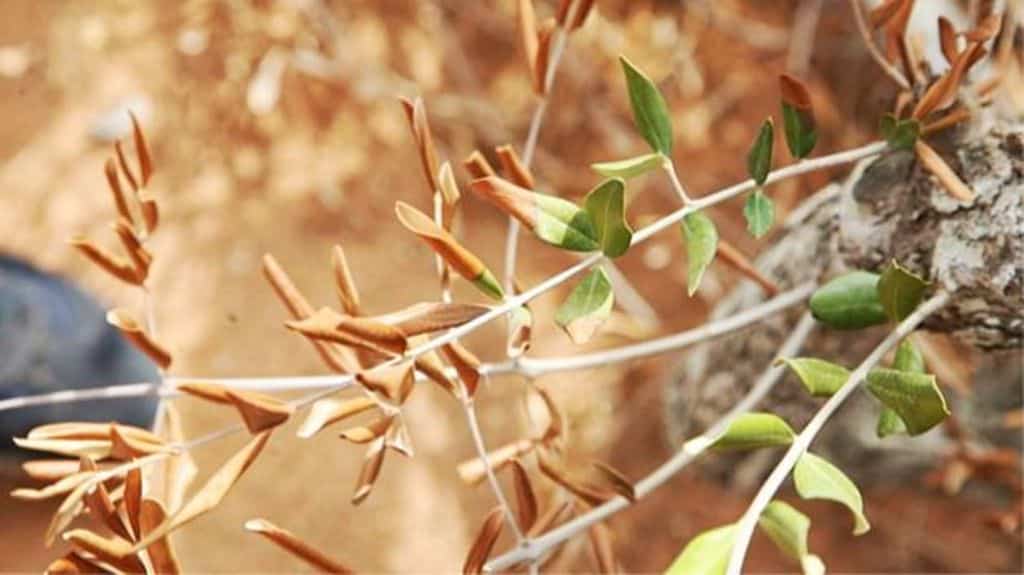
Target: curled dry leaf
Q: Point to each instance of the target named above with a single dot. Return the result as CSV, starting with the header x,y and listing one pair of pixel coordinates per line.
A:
x,y
179,470
213,392
472,471
127,446
615,480
115,265
397,437
328,325
466,365
934,163
556,418
604,550
93,448
114,550
543,59
369,432
451,251
101,506
89,430
140,258
212,492
514,168
373,460
60,486
132,500
395,383
526,500
986,29
743,265
449,191
583,9
114,183
424,318
551,517
348,294
430,365
161,553
73,564
337,358
132,330
141,151
260,412
122,161
328,411
590,494
478,166
484,542
49,470
947,39
943,92
297,547
416,113
527,17
150,210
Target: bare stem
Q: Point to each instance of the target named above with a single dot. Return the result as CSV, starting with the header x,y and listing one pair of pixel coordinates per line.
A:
x,y
690,450
869,43
748,522
469,409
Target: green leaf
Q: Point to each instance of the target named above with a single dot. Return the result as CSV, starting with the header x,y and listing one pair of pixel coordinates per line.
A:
x,y
650,114
787,527
606,206
759,159
701,245
564,224
889,423
754,430
900,291
900,134
587,307
915,397
820,377
908,358
706,554
798,126
816,478
487,283
849,302
759,212
631,167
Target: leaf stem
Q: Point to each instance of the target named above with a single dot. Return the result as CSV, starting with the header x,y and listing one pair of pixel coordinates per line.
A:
x,y
670,169
745,528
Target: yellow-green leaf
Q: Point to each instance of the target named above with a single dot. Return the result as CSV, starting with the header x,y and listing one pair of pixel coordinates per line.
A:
x,y
631,167
915,397
754,430
701,238
606,205
900,291
759,211
820,377
786,527
849,302
706,554
816,478
759,159
587,307
650,114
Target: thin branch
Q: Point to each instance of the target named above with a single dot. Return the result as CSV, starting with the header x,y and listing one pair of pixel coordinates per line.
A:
x,y
536,548
745,528
670,169
869,43
469,409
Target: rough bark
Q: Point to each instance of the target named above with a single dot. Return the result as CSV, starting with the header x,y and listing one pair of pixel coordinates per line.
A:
x,y
888,208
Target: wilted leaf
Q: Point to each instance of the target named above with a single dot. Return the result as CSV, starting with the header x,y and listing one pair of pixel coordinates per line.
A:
x,y
430,317
92,448
759,159
212,492
900,291
849,302
477,166
915,397
797,117
49,470
582,10
416,113
514,168
820,377
701,238
816,478
587,307
125,446
650,114
465,363
297,547
706,554
59,487
161,553
934,163
328,411
89,430
526,500
329,325
754,430
178,471
484,542
373,460
395,382
114,550
589,493
555,221
348,294
943,92
132,330
133,499
759,211
101,506
259,411
472,471
606,205
369,432
900,134
615,480
451,251
631,167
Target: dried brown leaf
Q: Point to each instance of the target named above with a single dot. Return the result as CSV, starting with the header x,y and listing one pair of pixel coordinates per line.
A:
x,y
329,325
49,470
101,506
259,411
297,547
484,542
604,550
161,553
478,166
89,430
582,11
947,39
430,364
125,446
526,500
424,318
514,168
369,432
589,494
150,210
551,517
60,486
132,330
395,382
934,163
397,437
943,92
416,113
794,92
122,161
142,151
454,254
472,471
348,294
328,411
115,265
73,564
180,469
986,29
540,66
133,500
114,183
615,480
94,448
527,18
449,191
373,460
140,258
465,363
212,392
884,12
212,492
114,550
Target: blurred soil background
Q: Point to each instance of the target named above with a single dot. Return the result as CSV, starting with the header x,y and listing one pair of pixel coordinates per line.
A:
x,y
276,128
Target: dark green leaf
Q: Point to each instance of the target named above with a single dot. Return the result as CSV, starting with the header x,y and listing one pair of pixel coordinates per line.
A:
x,y
915,397
816,478
798,126
900,134
606,206
587,307
701,238
564,224
849,302
900,291
759,159
705,554
631,167
759,212
820,377
889,423
754,430
649,110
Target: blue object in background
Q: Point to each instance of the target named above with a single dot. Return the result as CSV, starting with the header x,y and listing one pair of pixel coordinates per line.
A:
x,y
54,337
